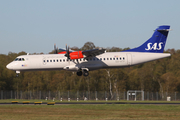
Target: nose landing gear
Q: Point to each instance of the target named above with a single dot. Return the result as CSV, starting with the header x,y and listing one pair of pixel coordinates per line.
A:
x,y
17,73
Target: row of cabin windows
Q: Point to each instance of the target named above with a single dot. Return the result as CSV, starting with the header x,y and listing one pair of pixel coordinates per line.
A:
x,y
90,59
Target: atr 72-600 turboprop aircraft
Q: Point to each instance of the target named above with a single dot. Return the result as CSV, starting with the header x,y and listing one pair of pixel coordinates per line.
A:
x,y
84,61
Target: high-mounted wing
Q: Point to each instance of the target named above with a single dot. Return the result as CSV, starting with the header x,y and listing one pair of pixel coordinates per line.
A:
x,y
93,52
63,49
81,54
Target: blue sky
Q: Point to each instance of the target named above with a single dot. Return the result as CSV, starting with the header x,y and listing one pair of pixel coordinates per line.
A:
x,y
34,26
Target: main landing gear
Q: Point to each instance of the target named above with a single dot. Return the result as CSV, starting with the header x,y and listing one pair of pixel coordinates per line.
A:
x,y
17,73
85,72
79,73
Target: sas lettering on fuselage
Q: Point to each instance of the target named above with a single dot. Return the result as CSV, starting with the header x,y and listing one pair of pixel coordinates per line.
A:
x,y
154,47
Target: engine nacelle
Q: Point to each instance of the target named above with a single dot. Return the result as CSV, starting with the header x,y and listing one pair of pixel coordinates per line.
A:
x,y
76,55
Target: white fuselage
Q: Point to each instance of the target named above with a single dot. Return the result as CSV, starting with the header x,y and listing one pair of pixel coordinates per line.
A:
x,y
105,60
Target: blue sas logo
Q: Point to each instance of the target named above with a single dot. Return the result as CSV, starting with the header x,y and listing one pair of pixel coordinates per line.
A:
x,y
154,47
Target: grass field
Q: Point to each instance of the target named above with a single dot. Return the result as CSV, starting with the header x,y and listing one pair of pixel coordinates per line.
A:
x,y
89,112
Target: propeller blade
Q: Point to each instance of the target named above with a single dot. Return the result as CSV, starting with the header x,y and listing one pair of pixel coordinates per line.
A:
x,y
55,49
67,52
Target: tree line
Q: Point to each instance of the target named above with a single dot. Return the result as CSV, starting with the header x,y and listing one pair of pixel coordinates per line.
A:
x,y
157,76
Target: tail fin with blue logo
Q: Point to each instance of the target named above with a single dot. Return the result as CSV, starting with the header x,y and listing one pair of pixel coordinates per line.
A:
x,y
156,43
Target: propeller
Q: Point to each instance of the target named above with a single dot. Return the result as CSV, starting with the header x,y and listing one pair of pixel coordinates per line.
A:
x,y
67,52
55,49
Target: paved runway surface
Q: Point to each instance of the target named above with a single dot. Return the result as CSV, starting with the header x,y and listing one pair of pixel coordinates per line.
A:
x,y
84,103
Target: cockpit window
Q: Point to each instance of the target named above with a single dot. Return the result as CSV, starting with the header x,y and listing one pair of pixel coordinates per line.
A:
x,y
19,59
16,59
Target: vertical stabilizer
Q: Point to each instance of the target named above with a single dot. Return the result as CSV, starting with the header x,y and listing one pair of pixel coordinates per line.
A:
x,y
156,43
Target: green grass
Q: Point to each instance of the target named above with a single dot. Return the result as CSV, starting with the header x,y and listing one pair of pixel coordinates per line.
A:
x,y
89,112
